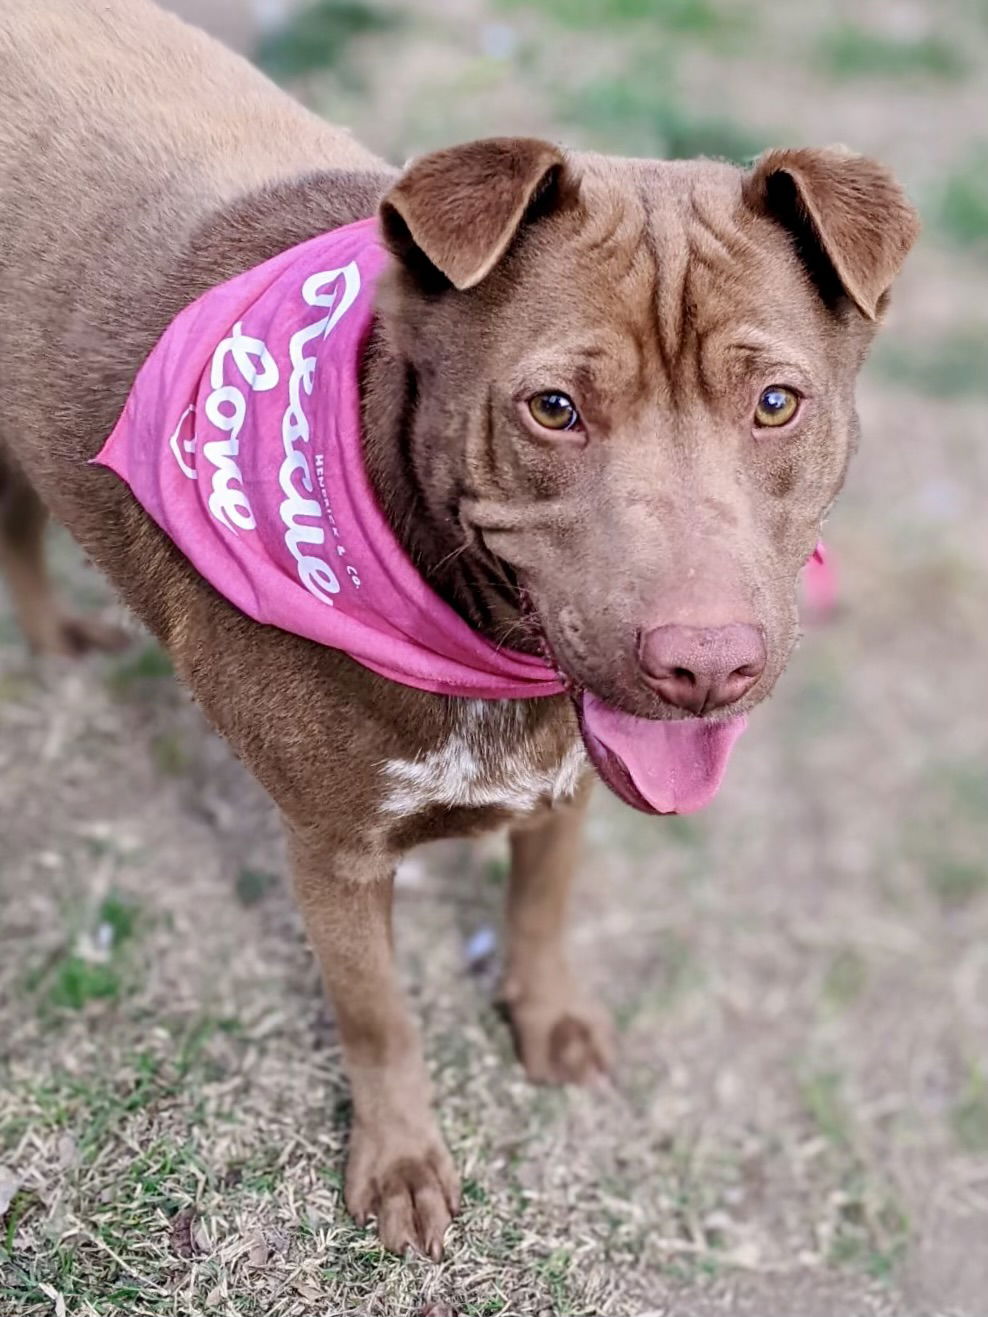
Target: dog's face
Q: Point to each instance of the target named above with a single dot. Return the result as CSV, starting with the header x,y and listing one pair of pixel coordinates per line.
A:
x,y
636,390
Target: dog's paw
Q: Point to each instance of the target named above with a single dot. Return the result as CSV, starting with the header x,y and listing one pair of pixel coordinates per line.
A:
x,y
561,1042
410,1185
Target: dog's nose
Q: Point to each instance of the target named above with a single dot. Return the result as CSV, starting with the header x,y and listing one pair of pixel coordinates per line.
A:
x,y
702,668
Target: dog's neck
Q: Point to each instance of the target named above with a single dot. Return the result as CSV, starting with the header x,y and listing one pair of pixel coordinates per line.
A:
x,y
263,224
459,571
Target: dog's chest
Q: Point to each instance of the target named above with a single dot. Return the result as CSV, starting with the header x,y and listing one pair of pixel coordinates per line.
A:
x,y
491,756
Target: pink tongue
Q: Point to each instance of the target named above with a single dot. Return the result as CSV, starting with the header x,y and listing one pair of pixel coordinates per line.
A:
x,y
675,767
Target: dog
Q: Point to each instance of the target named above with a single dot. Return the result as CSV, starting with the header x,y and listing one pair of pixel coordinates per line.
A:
x,y
447,490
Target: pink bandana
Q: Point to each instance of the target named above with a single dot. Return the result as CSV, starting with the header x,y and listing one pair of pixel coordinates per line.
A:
x,y
241,438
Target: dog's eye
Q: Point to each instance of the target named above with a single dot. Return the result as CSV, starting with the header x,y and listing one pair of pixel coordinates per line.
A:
x,y
554,411
776,406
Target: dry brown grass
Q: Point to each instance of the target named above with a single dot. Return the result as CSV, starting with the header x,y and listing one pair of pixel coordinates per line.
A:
x,y
799,1122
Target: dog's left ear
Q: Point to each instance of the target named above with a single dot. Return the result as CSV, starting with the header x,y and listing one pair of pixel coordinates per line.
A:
x,y
852,223
459,209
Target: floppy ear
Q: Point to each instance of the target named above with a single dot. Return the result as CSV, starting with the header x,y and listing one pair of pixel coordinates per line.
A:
x,y
851,221
460,208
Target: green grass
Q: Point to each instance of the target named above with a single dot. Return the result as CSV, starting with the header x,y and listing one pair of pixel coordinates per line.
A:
x,y
822,1097
683,831
963,206
92,1103
845,979
633,116
75,982
16,687
10,632
956,883
952,366
819,694
969,1116
868,1228
70,980
152,1177
693,18
317,37
555,1271
253,885
850,51
495,872
853,1248
149,664
169,754
678,971
119,914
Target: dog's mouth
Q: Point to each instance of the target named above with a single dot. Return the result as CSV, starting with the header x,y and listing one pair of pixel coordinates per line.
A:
x,y
655,766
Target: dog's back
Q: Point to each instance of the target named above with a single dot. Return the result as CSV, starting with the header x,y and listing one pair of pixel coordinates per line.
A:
x,y
118,121
121,130
120,96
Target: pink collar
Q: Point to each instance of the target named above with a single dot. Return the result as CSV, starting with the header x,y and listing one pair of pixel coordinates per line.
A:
x,y
241,438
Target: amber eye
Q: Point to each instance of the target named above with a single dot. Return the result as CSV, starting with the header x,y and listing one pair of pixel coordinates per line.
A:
x,y
776,406
554,411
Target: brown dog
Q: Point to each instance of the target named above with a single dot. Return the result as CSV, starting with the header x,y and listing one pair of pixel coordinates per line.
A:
x,y
666,314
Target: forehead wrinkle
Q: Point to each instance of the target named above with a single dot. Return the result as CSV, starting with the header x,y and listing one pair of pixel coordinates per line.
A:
x,y
601,240
673,301
729,353
610,230
716,237
762,349
618,279
594,369
718,252
733,307
643,322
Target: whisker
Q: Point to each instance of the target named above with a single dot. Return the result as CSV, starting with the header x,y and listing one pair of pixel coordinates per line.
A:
x,y
521,624
454,553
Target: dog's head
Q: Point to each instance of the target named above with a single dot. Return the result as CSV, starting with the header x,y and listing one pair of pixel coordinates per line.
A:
x,y
635,388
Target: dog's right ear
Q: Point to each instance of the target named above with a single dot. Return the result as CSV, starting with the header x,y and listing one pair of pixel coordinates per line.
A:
x,y
457,210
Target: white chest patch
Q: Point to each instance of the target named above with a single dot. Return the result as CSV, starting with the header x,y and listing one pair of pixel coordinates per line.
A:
x,y
488,760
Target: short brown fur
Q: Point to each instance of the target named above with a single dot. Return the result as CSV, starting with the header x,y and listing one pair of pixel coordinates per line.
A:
x,y
661,295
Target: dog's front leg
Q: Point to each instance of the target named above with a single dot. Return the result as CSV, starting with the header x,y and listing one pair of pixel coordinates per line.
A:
x,y
398,1168
561,1036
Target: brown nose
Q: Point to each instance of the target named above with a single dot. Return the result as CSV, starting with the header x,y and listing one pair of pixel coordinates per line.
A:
x,y
702,668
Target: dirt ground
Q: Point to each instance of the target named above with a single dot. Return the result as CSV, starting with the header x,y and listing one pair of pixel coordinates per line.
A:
x,y
798,1124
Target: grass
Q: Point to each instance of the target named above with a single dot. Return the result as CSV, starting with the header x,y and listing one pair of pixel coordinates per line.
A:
x,y
316,38
963,206
854,1245
822,1096
146,666
75,983
693,18
951,366
867,1228
635,115
951,857
93,965
253,885
845,979
956,883
969,1115
103,1244
851,51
